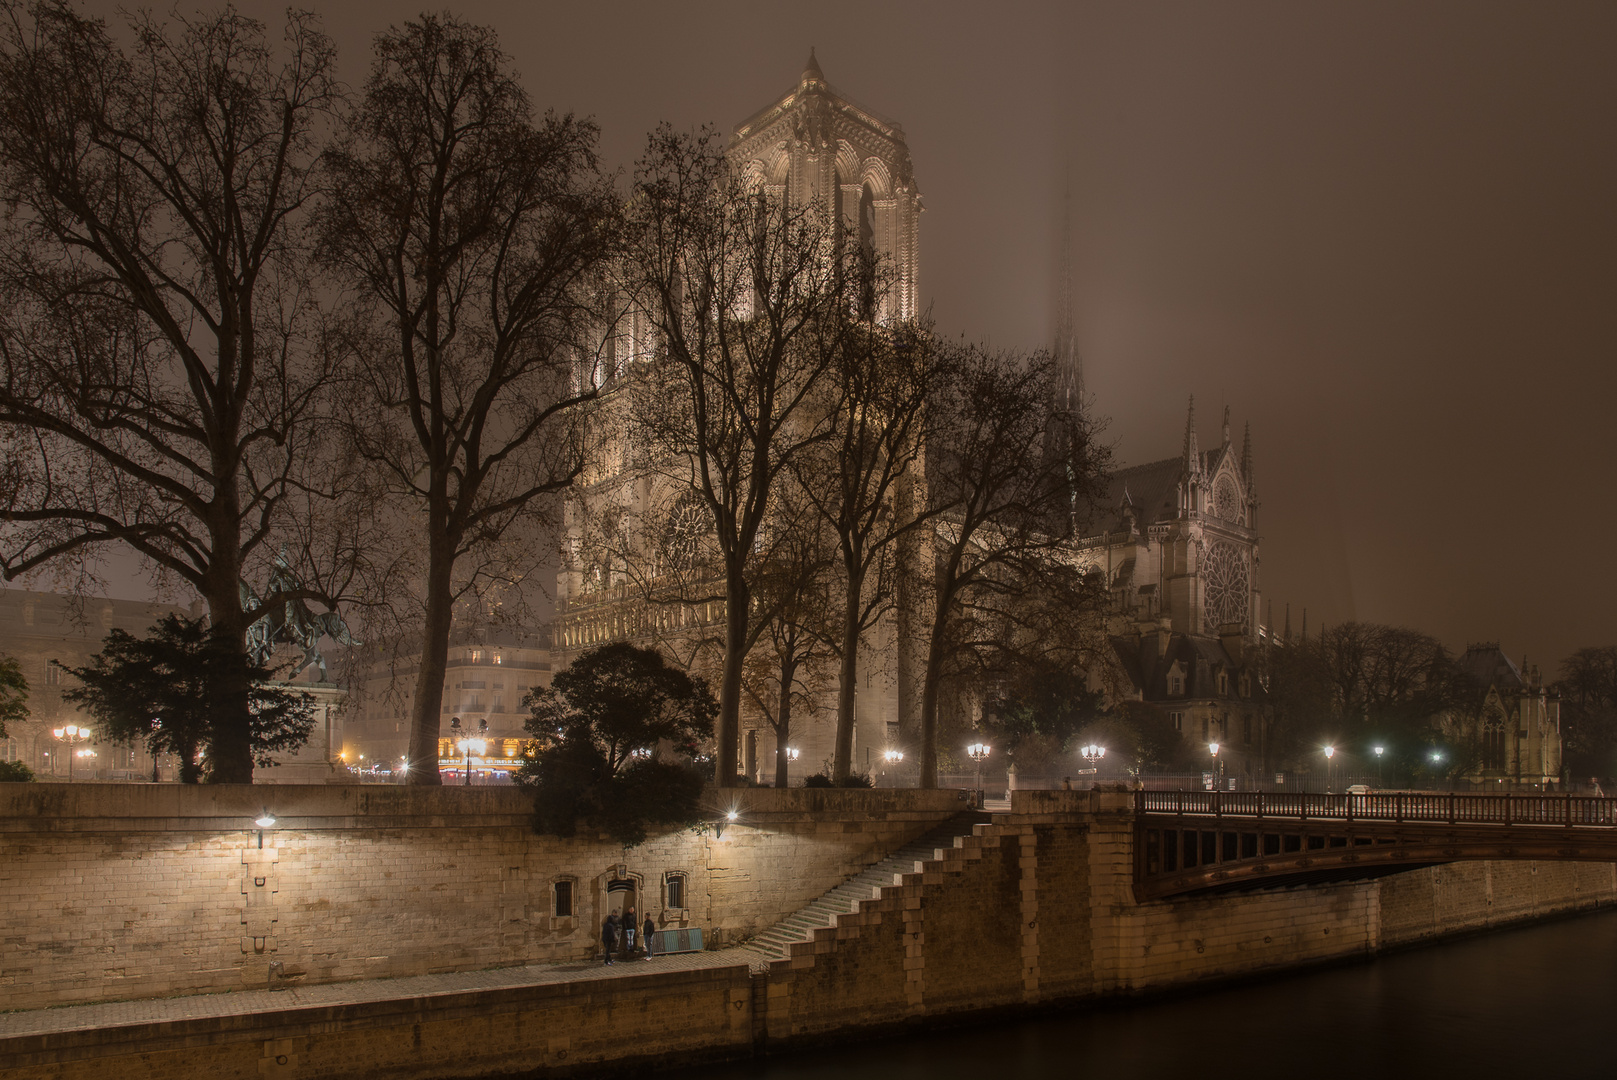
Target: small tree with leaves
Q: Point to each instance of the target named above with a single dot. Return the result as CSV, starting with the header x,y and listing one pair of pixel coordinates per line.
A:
x,y
160,688
13,707
13,693
601,725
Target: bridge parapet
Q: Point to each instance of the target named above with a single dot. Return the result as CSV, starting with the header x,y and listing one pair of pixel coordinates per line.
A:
x,y
1196,841
1450,808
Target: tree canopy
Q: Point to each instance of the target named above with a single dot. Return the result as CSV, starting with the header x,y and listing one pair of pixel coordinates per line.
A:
x,y
13,693
160,689
606,727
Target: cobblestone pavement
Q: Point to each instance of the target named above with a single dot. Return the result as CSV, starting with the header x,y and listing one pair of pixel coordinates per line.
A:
x,y
246,1002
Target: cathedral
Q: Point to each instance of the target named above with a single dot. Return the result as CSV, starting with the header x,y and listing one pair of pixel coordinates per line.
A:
x,y
1177,543
811,147
1175,539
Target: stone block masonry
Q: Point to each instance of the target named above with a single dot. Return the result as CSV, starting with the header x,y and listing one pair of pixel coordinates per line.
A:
x,y
1036,907
128,891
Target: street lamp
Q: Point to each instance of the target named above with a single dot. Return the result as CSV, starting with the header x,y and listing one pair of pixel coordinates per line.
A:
x,y
1379,751
892,758
1212,748
1092,755
979,752
791,753
1330,752
72,735
468,744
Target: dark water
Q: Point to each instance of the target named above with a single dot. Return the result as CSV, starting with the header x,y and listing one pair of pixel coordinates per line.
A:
x,y
1535,1002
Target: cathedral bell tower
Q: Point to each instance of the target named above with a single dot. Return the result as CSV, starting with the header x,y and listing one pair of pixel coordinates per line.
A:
x,y
815,147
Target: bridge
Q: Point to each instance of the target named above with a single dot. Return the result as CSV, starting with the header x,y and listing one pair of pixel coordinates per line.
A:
x,y
1198,842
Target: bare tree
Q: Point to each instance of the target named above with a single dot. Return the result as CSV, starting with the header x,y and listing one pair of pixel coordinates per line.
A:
x,y
1006,461
156,328
750,303
785,671
881,383
475,241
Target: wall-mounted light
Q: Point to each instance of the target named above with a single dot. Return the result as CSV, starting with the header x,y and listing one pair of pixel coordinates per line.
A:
x,y
263,821
718,826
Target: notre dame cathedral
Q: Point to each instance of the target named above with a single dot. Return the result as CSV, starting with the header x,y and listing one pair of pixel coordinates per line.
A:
x,y
1176,539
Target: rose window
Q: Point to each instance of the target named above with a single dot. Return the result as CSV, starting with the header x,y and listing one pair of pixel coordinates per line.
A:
x,y
1226,584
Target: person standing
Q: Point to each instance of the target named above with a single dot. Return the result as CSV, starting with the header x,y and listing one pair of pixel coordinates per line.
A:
x,y
629,927
609,935
646,931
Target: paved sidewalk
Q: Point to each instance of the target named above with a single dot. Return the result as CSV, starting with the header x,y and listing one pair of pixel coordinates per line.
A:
x,y
117,1014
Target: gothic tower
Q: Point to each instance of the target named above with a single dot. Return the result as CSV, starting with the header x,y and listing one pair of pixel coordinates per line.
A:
x,y
814,146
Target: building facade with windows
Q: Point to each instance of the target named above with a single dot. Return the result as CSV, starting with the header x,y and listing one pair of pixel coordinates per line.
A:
x,y
47,632
488,675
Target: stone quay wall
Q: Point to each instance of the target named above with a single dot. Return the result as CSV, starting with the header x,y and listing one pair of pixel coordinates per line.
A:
x,y
125,891
1032,910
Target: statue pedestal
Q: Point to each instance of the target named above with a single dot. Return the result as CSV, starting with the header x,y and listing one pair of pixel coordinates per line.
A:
x,y
316,761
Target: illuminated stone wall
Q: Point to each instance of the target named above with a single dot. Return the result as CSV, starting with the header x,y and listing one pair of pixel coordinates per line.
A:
x,y
115,891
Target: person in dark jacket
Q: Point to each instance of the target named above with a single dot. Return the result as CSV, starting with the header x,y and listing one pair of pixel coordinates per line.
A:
x,y
629,928
609,935
645,933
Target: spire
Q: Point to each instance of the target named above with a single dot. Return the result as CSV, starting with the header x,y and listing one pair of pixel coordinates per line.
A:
x,y
1226,425
1288,620
1246,458
1069,365
1193,454
811,70
1305,625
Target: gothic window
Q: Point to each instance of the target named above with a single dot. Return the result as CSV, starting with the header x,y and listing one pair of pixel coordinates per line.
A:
x,y
1226,585
1246,729
1178,719
1493,741
1227,501
563,893
687,524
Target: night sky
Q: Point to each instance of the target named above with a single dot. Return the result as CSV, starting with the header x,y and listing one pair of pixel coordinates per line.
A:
x,y
1383,233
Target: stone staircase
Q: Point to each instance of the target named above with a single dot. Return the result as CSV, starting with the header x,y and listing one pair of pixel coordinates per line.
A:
x,y
775,943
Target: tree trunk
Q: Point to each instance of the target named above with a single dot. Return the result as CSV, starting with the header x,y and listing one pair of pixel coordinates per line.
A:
x,y
848,686
230,747
736,614
427,708
930,680
783,721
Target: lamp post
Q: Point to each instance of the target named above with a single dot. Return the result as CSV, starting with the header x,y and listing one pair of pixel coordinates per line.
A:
x,y
1092,755
468,744
71,736
1212,748
893,758
1379,751
979,752
1330,752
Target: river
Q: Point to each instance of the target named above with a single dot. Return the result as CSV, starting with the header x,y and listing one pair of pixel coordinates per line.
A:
x,y
1525,1003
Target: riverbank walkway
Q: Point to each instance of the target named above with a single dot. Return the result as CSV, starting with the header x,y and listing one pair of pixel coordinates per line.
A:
x,y
102,1016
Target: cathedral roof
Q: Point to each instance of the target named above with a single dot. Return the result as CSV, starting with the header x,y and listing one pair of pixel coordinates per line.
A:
x,y
1151,489
1488,665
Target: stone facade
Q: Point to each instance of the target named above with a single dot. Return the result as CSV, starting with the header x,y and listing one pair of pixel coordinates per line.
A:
x,y
812,147
141,891
1034,908
487,676
1176,543
45,632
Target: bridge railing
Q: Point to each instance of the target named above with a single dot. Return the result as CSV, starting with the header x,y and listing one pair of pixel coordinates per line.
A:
x,y
1451,808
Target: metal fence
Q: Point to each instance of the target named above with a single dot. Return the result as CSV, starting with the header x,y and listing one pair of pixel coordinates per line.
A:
x,y
1450,808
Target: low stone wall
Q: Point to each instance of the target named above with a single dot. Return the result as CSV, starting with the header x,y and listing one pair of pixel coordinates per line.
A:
x,y
1035,908
126,891
674,1017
